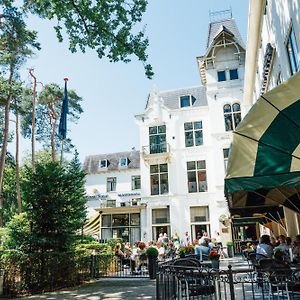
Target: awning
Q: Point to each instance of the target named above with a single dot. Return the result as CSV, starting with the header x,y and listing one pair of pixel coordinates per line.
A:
x,y
262,215
264,161
92,226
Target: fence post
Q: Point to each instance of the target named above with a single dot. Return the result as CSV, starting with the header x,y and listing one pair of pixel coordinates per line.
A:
x,y
230,279
93,266
1,281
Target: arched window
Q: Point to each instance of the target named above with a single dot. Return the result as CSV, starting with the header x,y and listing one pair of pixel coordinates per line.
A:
x,y
232,116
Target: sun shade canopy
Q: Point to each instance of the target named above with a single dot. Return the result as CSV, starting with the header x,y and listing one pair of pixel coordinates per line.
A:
x,y
264,161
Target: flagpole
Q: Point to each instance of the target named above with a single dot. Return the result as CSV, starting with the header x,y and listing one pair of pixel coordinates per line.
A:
x,y
62,151
63,135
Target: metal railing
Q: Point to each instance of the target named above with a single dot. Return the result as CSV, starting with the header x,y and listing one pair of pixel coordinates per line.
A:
x,y
156,148
182,282
111,266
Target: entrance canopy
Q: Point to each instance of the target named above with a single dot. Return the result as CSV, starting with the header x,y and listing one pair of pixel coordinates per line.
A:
x,y
264,161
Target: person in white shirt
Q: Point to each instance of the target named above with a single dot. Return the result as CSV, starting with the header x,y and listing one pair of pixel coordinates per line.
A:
x,y
161,251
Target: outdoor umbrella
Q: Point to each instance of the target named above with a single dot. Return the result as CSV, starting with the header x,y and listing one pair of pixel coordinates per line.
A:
x,y
264,161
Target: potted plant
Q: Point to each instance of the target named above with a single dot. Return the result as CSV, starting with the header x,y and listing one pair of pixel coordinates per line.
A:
x,y
229,245
214,256
185,250
152,254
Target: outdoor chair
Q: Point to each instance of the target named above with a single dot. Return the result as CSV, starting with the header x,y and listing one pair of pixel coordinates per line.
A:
x,y
253,261
192,281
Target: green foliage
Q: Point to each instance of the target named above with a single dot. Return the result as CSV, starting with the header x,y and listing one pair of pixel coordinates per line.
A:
x,y
48,110
9,190
113,242
18,233
108,27
17,42
152,251
55,199
86,249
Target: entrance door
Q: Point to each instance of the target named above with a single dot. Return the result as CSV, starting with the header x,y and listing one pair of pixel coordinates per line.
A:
x,y
156,230
197,230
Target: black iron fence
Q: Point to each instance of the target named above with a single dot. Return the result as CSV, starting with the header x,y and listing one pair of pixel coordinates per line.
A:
x,y
39,273
111,266
186,282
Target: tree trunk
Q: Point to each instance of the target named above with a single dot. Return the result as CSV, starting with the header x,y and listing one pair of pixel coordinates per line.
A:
x,y
17,163
33,121
4,144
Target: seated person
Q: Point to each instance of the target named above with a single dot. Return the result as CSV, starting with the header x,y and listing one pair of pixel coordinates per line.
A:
x,y
171,250
161,251
127,250
141,258
124,260
296,249
281,252
202,249
264,249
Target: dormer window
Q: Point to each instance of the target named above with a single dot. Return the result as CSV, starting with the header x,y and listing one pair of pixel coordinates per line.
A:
x,y
233,74
103,163
221,76
187,100
123,162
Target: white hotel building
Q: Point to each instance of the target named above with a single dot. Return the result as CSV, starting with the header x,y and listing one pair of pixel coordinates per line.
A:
x,y
185,136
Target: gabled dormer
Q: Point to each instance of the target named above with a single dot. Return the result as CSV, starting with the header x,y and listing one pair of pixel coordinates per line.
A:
x,y
224,54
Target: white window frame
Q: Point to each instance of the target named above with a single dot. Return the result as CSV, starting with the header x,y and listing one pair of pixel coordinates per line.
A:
x,y
192,100
100,164
121,160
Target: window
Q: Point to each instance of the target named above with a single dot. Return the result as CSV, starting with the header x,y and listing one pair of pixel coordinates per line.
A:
x,y
160,216
124,226
187,100
159,179
196,172
225,156
199,214
221,76
232,116
199,221
111,184
123,162
111,203
103,163
157,139
135,182
292,52
233,74
193,134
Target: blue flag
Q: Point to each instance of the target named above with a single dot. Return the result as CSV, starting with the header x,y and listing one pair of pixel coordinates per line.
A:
x,y
62,129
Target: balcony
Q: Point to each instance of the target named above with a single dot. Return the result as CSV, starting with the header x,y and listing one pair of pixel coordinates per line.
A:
x,y
156,151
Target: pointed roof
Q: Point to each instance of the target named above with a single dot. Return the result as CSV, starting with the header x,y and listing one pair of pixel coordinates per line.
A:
x,y
229,26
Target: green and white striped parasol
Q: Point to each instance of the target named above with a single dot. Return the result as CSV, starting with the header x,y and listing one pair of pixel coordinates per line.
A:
x,y
264,160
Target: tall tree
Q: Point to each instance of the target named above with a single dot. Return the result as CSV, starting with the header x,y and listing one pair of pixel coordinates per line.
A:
x,y
55,199
47,115
106,26
16,44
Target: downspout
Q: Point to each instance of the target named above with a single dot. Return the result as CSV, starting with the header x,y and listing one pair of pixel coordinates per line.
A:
x,y
255,18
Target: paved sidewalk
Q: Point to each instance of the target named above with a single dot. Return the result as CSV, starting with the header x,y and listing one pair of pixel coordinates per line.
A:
x,y
105,288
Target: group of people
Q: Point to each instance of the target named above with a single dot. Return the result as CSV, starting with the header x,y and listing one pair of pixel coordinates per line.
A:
x,y
280,248
135,256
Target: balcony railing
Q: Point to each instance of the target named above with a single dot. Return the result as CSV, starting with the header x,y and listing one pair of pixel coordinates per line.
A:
x,y
156,148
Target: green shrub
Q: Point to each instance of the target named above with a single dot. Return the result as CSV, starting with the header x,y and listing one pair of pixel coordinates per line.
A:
x,y
152,251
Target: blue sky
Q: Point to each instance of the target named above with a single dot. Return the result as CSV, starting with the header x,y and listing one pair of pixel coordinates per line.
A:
x,y
114,92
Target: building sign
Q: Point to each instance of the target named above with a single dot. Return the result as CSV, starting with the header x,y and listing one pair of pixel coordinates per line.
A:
x,y
128,194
